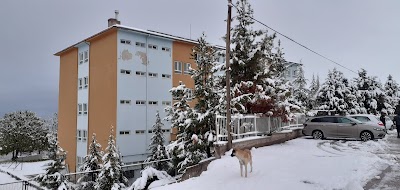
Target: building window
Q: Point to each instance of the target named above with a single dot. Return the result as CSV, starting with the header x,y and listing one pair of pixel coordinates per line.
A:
x,y
125,102
166,76
85,109
80,160
165,130
186,68
150,131
166,49
294,73
166,103
79,109
124,132
151,46
81,135
80,83
140,102
80,58
190,94
178,67
139,131
86,55
128,72
153,102
128,42
86,81
140,44
153,74
140,73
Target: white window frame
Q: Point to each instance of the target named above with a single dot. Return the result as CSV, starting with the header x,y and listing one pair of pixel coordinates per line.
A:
x,y
86,55
154,75
125,101
166,76
126,72
80,109
140,102
85,108
80,58
80,83
125,132
151,46
127,42
79,135
166,49
186,68
178,67
139,132
140,73
140,44
86,81
84,137
166,103
166,130
153,103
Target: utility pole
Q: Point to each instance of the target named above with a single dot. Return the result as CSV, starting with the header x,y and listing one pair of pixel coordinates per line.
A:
x,y
228,74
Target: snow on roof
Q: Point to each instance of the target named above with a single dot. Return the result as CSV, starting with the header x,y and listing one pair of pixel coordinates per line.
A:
x,y
149,32
289,64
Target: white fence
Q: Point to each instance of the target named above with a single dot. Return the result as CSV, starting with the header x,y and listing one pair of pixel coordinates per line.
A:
x,y
251,125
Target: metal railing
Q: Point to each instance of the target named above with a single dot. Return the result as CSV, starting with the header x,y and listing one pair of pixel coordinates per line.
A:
x,y
18,185
243,126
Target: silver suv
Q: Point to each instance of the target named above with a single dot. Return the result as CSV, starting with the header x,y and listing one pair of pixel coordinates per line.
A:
x,y
342,127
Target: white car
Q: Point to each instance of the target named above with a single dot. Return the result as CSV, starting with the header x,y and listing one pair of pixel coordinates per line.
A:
x,y
367,118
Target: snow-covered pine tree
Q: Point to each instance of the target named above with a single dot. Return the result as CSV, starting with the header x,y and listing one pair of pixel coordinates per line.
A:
x,y
54,178
22,131
157,147
351,99
111,175
205,91
300,91
370,96
313,93
332,93
392,89
52,144
184,153
93,162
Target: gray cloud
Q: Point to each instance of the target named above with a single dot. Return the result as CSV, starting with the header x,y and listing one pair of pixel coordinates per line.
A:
x,y
356,33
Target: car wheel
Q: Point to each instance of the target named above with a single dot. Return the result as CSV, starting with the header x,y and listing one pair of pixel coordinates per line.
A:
x,y
366,136
318,135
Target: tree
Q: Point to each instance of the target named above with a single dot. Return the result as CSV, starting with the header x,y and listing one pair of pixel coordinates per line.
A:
x,y
52,144
22,131
111,175
332,93
93,162
184,152
205,91
54,178
150,175
157,148
300,92
370,96
392,92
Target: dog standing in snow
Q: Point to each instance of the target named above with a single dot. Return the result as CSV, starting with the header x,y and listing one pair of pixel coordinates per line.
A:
x,y
245,158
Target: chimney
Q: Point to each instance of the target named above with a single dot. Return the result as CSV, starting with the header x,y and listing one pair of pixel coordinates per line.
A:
x,y
114,21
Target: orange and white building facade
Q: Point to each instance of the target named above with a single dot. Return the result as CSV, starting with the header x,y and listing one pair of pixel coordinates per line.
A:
x,y
119,77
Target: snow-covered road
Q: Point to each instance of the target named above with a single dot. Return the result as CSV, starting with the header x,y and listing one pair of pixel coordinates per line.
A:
x,y
301,164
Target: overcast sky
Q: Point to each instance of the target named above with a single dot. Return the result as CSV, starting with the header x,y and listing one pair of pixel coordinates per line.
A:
x,y
355,33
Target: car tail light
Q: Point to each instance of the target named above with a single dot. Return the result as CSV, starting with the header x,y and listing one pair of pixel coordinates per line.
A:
x,y
381,124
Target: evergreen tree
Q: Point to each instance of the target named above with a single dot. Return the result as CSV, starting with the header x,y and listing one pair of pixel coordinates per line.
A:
x,y
157,148
392,92
332,93
351,99
93,162
52,144
111,175
300,92
205,91
314,87
370,97
54,178
22,131
184,152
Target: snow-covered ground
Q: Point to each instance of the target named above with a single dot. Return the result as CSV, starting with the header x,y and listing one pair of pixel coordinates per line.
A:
x,y
301,164
24,169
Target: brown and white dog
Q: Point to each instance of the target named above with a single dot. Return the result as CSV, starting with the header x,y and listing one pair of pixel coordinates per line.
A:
x,y
245,158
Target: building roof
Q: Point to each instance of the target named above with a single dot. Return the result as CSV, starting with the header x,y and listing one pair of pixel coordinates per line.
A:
x,y
288,64
149,32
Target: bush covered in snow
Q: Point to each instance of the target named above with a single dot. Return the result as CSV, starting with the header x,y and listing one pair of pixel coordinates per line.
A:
x,y
149,175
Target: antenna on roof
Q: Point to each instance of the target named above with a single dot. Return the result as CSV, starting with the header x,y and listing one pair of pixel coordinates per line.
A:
x,y
116,14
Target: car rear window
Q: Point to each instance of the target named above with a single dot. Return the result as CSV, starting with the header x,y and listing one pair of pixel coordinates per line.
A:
x,y
361,118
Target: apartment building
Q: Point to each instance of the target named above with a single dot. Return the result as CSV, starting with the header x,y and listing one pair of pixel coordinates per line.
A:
x,y
119,77
291,70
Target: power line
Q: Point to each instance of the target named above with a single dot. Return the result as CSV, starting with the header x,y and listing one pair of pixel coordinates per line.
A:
x,y
294,41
